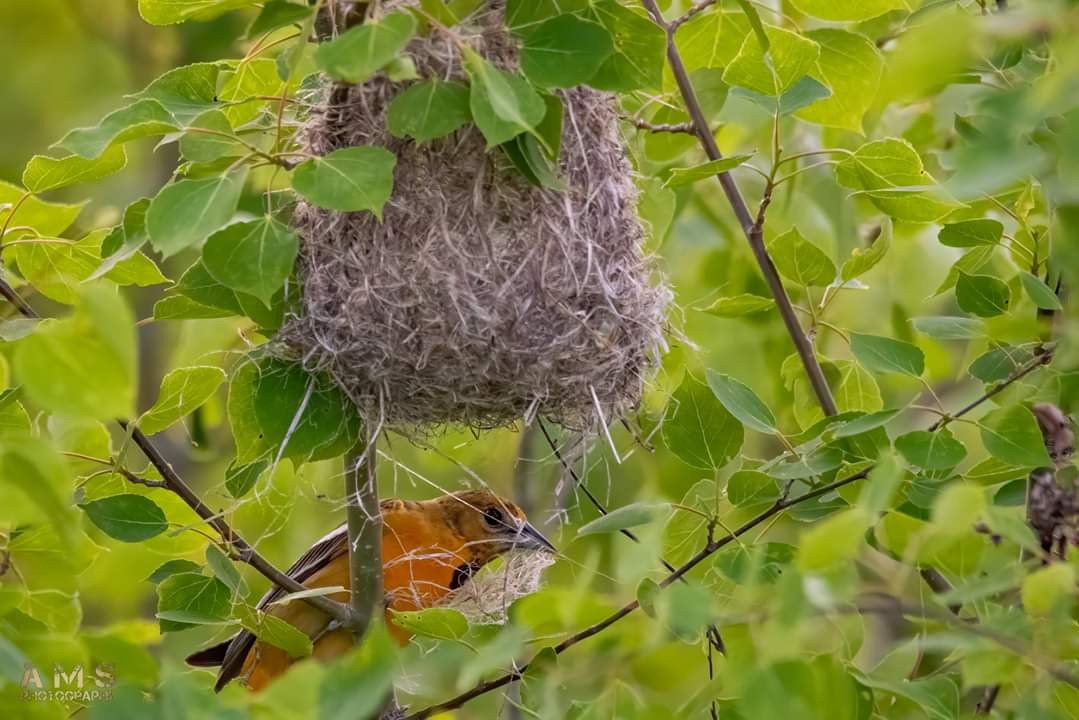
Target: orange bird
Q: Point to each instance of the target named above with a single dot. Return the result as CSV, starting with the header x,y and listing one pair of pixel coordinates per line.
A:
x,y
429,549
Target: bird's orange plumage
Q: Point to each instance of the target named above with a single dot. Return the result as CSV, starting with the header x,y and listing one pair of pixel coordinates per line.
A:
x,y
428,548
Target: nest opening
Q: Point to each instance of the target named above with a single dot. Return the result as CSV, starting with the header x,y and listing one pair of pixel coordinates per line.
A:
x,y
479,299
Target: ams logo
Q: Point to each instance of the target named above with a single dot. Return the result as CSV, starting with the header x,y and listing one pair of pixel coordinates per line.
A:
x,y
76,684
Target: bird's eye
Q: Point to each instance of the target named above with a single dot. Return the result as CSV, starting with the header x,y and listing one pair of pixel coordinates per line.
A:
x,y
494,518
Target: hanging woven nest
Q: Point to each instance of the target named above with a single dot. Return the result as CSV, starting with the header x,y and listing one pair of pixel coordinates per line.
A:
x,y
478,298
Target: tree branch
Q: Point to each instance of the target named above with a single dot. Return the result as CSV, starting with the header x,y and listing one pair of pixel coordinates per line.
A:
x,y
753,229
174,483
364,536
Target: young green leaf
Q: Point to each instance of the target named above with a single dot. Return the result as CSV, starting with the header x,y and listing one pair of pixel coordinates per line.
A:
x,y
801,261
699,430
1040,293
242,86
182,391
170,12
225,570
625,517
862,261
931,450
429,110
847,10
273,630
277,14
240,479
45,173
971,233
348,180
209,137
185,213
742,402
891,175
773,70
503,105
129,518
886,355
21,210
639,49
957,508
438,623
252,257
1048,588
187,91
739,305
565,51
85,363
750,487
833,542
851,65
982,295
359,53
949,328
143,118
684,176
802,94
1011,434
251,444
185,599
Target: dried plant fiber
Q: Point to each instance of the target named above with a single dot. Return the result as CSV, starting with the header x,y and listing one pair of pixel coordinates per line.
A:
x,y
486,597
478,299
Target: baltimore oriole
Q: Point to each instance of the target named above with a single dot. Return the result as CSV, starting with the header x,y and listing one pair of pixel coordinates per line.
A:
x,y
429,549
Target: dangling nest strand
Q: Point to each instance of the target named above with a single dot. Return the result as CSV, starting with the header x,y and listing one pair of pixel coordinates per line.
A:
x,y
478,299
485,599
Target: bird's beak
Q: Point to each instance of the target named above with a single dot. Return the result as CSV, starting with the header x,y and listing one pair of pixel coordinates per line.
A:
x,y
529,538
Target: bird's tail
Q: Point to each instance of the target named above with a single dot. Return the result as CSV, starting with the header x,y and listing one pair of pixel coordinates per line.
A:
x,y
209,657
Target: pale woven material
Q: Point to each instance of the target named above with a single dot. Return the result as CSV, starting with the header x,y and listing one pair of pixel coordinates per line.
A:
x,y
478,299
485,599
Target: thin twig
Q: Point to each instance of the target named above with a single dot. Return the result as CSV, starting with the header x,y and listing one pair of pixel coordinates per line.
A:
x,y
685,127
174,483
753,229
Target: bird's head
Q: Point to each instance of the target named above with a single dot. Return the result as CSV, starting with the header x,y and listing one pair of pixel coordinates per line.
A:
x,y
490,524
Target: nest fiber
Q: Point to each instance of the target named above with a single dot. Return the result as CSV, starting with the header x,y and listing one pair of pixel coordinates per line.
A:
x,y
485,599
478,299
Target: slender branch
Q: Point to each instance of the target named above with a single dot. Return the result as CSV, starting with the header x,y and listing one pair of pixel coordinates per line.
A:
x,y
1040,360
174,483
753,229
685,127
364,535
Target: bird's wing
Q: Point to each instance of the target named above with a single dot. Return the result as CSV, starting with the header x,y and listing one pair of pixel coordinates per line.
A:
x,y
231,653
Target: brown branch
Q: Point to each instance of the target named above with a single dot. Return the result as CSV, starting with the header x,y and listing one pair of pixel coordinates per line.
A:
x,y
753,229
364,536
1041,359
174,483
685,127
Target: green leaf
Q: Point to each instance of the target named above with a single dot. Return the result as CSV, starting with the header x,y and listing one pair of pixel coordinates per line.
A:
x,y
359,53
274,630
170,12
565,51
438,623
429,110
971,233
684,176
35,468
143,118
45,173
879,491
348,180
173,567
251,444
883,354
742,402
640,48
890,174
864,424
711,39
186,91
85,363
1047,588
185,213
182,391
772,71
844,10
833,542
503,105
970,261
856,389
739,305
699,430
251,79
1012,435
801,261
527,156
277,14
189,598
749,487
357,685
209,137
851,65
523,15
625,517
862,261
240,479
931,450
1040,293
803,93
949,328
817,462
937,697
47,219
982,295
957,508
129,518
312,417
225,569
254,257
